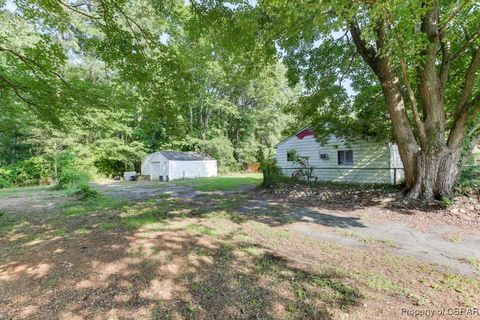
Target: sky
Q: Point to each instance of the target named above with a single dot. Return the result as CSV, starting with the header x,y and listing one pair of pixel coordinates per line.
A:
x,y
10,6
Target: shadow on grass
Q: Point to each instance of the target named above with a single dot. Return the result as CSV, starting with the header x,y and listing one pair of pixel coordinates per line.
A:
x,y
187,272
221,183
217,281
284,213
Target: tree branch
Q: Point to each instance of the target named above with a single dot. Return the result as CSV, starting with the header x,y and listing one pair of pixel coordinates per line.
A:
x,y
469,80
455,12
367,52
350,63
411,95
428,79
17,92
81,12
128,19
445,66
466,45
27,61
465,107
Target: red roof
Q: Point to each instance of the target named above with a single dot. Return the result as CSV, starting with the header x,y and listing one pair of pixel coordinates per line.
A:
x,y
304,133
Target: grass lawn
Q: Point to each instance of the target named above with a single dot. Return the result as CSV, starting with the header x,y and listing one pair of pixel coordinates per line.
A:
x,y
21,191
222,183
173,258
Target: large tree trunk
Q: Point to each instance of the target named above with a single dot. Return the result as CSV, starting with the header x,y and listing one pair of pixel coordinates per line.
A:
x,y
432,164
402,132
401,129
436,174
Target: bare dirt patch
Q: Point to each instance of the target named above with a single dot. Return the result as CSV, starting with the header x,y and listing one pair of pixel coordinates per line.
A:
x,y
208,256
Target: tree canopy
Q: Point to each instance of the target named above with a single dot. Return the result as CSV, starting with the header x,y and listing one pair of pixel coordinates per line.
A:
x,y
404,69
116,78
112,80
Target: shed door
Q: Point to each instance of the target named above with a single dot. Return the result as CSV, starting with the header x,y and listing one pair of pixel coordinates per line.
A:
x,y
158,170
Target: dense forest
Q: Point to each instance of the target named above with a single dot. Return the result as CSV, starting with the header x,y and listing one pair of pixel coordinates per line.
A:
x,y
92,86
86,92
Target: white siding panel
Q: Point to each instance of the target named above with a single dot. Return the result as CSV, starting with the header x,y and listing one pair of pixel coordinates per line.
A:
x,y
145,167
192,169
157,166
152,166
366,155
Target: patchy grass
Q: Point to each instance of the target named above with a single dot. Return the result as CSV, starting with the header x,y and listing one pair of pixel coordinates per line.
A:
x,y
7,222
198,258
89,206
380,282
23,191
222,183
369,240
474,262
195,228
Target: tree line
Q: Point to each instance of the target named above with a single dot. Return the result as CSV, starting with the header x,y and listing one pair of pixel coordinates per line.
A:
x,y
109,80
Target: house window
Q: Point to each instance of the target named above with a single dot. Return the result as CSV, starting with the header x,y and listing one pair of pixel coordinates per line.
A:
x,y
291,155
345,157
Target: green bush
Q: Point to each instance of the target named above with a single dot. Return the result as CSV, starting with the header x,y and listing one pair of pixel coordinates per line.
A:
x,y
38,170
82,191
6,180
70,172
72,176
469,180
272,173
28,172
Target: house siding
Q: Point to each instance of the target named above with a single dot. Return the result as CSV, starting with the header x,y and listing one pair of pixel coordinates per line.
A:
x,y
156,165
192,169
367,155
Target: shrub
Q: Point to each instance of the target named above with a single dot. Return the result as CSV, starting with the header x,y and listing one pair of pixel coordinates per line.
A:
x,y
6,180
82,192
70,172
469,180
272,173
28,172
72,176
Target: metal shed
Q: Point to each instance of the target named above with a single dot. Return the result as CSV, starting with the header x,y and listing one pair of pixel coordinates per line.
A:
x,y
172,165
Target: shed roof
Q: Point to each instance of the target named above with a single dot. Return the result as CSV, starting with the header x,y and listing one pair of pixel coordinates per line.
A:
x,y
184,156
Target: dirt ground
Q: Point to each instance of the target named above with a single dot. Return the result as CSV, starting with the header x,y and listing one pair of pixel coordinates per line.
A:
x,y
145,250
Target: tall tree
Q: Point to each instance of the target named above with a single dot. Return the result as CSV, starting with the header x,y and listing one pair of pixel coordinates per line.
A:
x,y
422,56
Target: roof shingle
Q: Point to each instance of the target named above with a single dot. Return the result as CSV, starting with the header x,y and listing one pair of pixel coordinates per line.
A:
x,y
184,156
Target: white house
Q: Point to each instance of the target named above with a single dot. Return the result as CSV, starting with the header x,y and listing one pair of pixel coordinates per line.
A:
x,y
171,165
366,161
